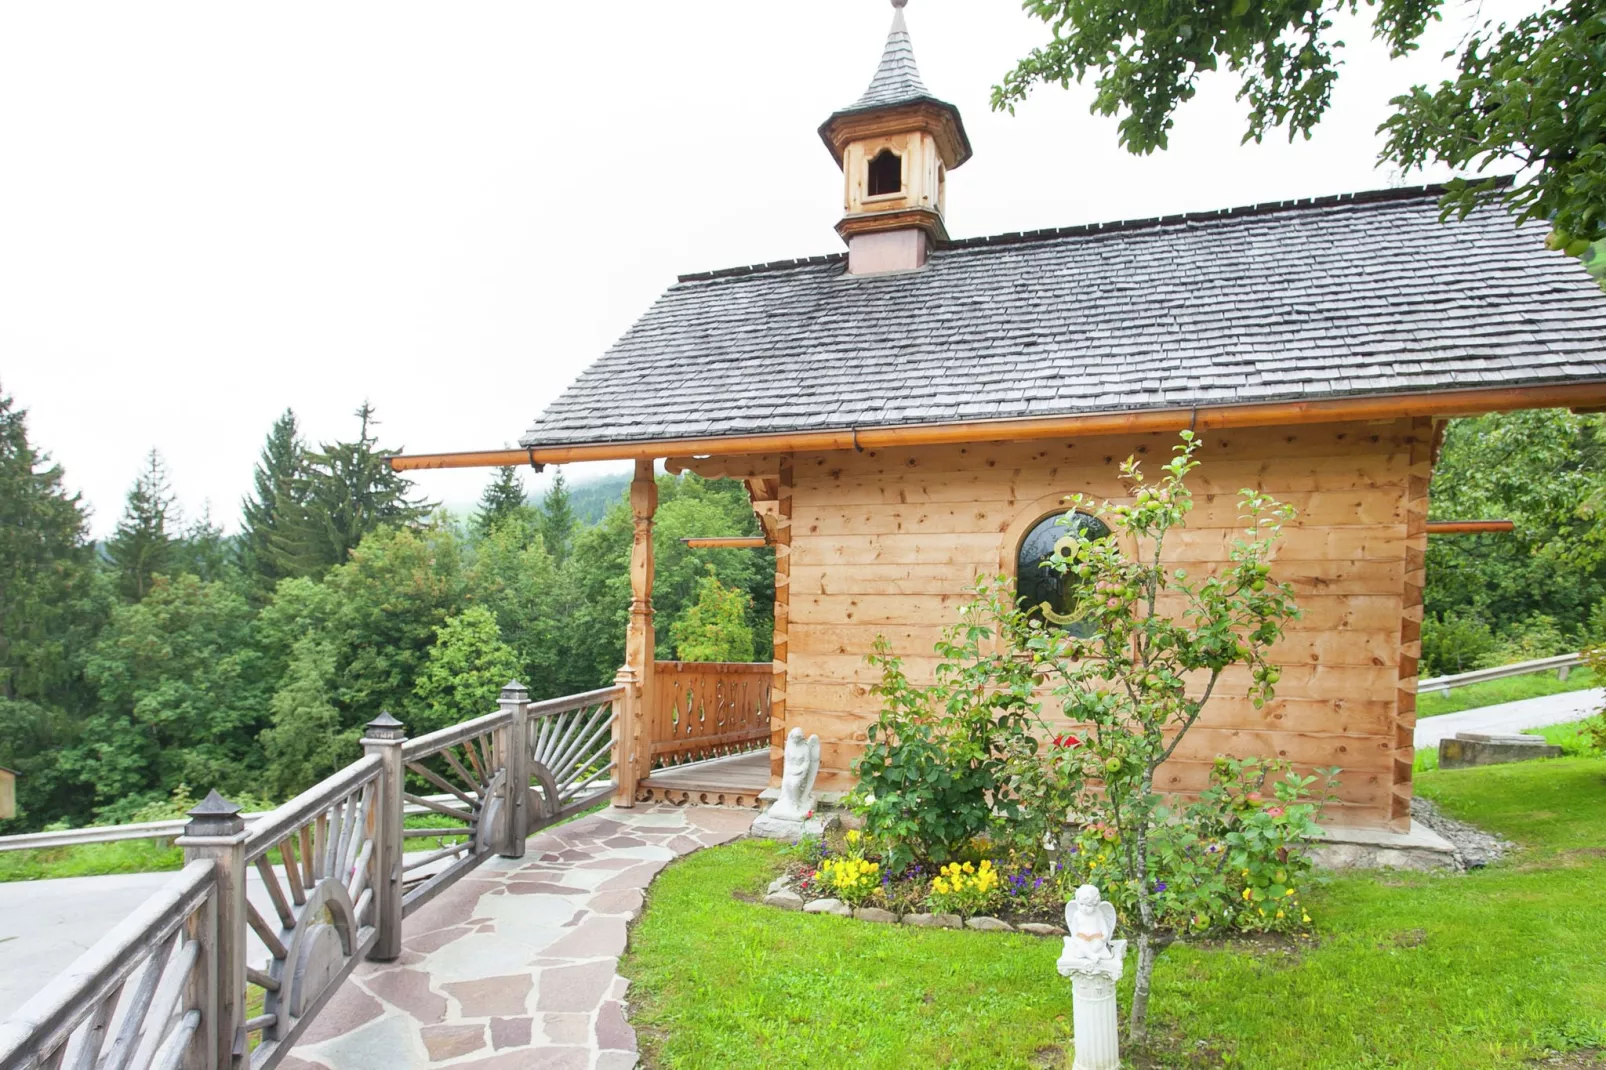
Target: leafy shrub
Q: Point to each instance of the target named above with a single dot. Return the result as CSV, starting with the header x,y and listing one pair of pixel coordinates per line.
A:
x,y
932,774
1452,644
1532,637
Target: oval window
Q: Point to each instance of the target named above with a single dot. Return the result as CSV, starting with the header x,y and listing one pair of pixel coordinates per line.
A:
x,y
1036,584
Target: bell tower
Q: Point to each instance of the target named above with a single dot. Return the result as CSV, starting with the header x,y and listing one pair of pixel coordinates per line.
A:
x,y
895,145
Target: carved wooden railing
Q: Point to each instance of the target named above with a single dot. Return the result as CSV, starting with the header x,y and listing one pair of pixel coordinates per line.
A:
x,y
337,882
92,1016
709,709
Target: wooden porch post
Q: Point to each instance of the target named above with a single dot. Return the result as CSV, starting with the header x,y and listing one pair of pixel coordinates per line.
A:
x,y
633,756
781,537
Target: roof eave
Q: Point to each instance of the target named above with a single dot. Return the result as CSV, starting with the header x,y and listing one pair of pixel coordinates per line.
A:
x,y
1578,393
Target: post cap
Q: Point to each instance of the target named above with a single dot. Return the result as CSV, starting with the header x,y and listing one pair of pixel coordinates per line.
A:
x,y
513,691
214,816
385,727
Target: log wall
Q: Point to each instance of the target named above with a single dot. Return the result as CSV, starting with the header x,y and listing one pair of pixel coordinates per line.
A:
x,y
888,541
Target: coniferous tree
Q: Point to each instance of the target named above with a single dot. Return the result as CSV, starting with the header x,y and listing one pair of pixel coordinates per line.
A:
x,y
503,498
557,519
142,547
274,514
350,489
204,551
44,559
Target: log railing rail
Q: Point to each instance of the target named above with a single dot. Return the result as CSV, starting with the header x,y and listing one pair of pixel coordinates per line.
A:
x,y
167,987
709,709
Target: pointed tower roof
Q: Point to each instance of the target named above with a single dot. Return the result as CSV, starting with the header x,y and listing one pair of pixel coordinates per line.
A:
x,y
896,86
897,79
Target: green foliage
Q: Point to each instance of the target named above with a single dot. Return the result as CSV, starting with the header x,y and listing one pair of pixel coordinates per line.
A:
x,y
1453,644
937,759
503,499
464,672
142,547
1546,471
273,515
557,518
348,490
714,628
1529,96
182,698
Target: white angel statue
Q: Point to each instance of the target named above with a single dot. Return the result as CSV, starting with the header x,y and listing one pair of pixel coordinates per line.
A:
x,y
801,765
1091,946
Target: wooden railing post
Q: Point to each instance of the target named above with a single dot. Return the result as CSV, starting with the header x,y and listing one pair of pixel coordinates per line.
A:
x,y
627,715
515,701
639,652
216,833
384,736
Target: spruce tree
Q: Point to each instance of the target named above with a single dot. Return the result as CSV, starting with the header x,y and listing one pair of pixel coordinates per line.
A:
x,y
274,514
44,559
557,519
142,546
503,498
350,489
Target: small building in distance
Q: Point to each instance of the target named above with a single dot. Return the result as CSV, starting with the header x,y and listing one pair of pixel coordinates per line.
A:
x,y
909,414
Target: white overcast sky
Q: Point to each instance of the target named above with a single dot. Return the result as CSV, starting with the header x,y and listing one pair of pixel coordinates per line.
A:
x,y
211,212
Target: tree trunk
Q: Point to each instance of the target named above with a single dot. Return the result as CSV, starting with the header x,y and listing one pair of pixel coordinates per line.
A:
x,y
1140,987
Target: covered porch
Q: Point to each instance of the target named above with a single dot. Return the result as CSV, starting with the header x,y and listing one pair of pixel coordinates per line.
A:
x,y
707,733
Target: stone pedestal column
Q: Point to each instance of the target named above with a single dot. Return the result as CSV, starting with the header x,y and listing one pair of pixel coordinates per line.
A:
x,y
1095,1021
1093,1015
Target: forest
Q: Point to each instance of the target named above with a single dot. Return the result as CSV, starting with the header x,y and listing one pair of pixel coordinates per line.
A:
x,y
170,657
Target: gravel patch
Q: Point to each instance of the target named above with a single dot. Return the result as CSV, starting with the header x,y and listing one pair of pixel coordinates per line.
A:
x,y
1475,847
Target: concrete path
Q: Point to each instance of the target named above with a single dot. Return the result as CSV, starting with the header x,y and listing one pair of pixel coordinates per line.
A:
x,y
516,965
1511,716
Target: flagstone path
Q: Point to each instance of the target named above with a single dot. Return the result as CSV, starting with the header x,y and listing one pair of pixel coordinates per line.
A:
x,y
516,965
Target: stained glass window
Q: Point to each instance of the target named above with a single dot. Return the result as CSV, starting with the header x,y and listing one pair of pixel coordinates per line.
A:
x,y
1035,583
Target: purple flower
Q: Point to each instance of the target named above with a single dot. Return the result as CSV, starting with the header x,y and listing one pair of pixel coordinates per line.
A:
x,y
1159,886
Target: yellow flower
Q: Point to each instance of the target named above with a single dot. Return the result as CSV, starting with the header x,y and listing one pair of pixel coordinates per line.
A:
x,y
1307,918
1289,892
853,836
1247,893
1279,913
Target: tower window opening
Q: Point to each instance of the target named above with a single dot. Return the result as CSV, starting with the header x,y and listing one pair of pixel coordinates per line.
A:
x,y
886,173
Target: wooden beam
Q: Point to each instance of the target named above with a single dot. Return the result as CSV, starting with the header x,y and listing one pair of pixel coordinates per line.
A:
x,y
1470,527
734,542
1206,418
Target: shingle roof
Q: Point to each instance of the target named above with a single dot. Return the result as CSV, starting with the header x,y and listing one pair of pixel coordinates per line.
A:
x,y
1353,295
897,79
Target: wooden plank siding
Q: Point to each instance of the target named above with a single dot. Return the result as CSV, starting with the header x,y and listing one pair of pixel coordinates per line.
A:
x,y
889,541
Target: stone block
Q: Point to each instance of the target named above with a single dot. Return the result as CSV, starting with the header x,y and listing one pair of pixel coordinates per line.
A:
x,y
786,900
828,906
1467,749
779,883
885,917
989,925
1038,928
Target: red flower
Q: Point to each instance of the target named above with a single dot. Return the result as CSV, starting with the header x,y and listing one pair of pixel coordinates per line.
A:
x,y
1067,741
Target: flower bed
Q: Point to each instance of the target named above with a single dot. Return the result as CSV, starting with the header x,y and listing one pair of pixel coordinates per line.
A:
x,y
844,873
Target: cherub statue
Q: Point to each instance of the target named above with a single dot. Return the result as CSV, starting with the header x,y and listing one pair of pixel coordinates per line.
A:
x,y
1091,923
801,765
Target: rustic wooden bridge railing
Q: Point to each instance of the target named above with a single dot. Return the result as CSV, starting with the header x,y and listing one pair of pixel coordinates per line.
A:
x,y
167,987
708,709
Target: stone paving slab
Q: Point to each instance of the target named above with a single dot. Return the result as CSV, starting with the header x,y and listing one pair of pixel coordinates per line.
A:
x,y
516,965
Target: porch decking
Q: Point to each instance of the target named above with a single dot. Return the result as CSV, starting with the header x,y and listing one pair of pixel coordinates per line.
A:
x,y
735,780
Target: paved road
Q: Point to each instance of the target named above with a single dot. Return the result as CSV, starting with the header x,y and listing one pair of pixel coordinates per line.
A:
x,y
1511,716
45,925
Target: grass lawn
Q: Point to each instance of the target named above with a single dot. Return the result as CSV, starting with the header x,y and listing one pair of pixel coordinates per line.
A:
x,y
1489,969
1533,685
